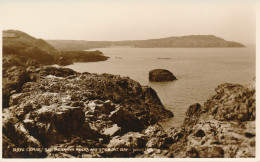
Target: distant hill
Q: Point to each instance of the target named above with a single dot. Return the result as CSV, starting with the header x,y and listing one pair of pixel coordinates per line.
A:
x,y
16,38
191,41
19,43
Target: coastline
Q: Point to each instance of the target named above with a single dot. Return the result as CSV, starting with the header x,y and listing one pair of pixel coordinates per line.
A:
x,y
60,108
52,112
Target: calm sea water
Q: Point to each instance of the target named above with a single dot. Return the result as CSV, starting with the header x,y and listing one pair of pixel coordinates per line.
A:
x,y
198,70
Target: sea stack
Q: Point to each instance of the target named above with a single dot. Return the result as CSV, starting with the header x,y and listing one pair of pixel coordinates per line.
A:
x,y
161,75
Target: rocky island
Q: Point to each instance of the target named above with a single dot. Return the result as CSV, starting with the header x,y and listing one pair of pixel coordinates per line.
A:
x,y
161,75
51,112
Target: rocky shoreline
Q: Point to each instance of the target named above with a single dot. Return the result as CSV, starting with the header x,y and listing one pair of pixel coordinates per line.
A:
x,y
89,115
48,107
223,127
50,112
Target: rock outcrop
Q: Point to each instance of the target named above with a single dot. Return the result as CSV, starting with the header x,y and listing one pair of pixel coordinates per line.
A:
x,y
48,107
224,127
161,75
18,70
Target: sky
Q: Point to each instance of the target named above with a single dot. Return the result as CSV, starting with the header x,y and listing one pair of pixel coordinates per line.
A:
x,y
233,20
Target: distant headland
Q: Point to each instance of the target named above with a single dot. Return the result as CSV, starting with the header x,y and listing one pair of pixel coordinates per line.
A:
x,y
17,43
190,41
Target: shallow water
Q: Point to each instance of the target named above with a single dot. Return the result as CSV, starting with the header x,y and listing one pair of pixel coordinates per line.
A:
x,y
198,70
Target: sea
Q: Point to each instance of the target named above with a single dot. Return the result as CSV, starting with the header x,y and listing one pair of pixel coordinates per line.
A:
x,y
198,71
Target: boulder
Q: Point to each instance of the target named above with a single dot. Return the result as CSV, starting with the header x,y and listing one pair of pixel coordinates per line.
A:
x,y
157,137
161,75
111,131
15,135
13,80
67,119
126,120
128,145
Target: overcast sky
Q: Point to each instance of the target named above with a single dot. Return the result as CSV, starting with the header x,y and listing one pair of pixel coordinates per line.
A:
x,y
130,19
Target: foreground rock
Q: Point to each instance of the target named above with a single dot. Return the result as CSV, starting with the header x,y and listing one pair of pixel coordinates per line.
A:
x,y
17,70
223,127
161,75
48,107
